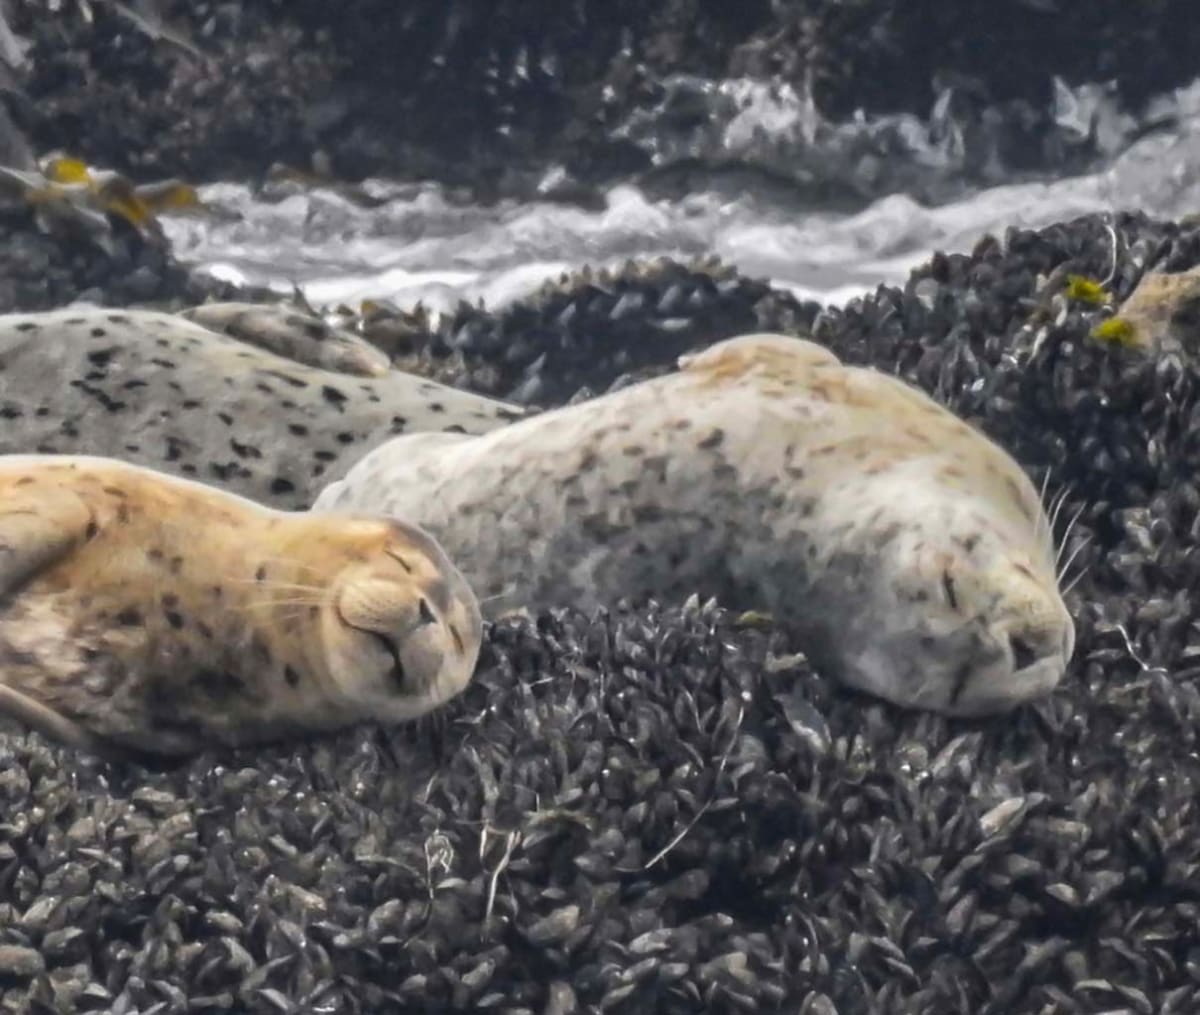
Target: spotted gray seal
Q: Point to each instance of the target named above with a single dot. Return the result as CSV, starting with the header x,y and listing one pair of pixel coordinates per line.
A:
x,y
140,611
160,391
910,554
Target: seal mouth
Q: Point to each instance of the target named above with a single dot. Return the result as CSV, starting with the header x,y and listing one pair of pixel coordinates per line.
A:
x,y
397,674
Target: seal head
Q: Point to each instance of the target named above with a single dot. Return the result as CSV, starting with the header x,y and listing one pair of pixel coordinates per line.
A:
x,y
400,630
939,604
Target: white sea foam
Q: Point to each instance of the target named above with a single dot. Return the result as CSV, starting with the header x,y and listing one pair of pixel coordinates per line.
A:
x,y
413,242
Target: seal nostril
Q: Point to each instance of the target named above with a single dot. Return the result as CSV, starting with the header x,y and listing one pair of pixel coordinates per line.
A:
x,y
424,612
458,642
393,650
1022,652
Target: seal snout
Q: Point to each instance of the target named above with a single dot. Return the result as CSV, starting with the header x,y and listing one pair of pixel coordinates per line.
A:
x,y
410,628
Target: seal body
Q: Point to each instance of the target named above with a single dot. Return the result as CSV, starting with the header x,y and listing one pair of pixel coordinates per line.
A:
x,y
143,611
160,391
909,553
293,333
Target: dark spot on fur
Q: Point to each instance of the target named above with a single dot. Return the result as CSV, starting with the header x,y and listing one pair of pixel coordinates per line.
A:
x,y
889,533
648,513
346,438
260,649
713,439
174,618
298,429
295,382
216,592
100,357
333,396
291,676
27,326
24,481
948,588
244,450
91,530
206,632
129,617
280,485
175,565
436,407
261,573
225,418
170,600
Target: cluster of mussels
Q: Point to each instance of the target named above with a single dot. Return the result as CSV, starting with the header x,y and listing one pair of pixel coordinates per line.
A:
x,y
589,332
665,809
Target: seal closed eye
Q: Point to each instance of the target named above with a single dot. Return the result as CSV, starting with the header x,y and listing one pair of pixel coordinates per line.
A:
x,y
118,631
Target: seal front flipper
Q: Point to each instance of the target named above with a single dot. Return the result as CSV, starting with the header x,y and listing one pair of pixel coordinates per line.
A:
x,y
50,724
37,529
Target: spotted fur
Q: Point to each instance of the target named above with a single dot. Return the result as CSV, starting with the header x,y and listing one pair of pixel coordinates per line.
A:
x,y
909,553
160,391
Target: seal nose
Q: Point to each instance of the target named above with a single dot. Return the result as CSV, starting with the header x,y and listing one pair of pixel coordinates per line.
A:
x,y
1033,648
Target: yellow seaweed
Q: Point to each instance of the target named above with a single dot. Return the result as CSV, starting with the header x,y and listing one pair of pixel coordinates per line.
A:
x,y
65,169
1086,290
1117,331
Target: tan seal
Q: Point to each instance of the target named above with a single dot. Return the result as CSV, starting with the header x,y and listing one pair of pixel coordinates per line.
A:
x,y
146,612
910,554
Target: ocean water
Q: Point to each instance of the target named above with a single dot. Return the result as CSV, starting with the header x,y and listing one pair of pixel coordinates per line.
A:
x,y
905,187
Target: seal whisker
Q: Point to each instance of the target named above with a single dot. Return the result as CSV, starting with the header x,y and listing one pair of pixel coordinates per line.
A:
x,y
1070,560
272,604
1059,499
268,584
502,594
1041,519
1066,536
290,562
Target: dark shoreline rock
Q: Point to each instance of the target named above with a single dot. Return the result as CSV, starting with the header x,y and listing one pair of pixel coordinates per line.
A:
x,y
662,809
492,96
